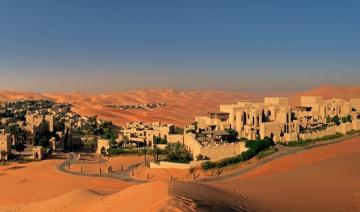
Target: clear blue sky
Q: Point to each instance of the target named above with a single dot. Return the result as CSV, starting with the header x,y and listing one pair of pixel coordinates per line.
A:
x,y
86,45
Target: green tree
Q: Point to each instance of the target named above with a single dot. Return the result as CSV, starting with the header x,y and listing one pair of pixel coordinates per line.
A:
x,y
336,120
179,130
348,118
15,131
233,134
156,151
328,119
3,154
19,147
43,134
144,151
177,152
343,119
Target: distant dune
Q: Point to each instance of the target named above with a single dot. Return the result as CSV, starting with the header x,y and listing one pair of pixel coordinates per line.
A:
x,y
327,92
182,107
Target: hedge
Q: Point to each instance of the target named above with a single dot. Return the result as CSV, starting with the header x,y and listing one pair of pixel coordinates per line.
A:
x,y
254,148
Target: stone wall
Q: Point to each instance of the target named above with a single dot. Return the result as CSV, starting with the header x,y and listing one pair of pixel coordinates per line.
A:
x,y
318,134
173,138
356,124
274,128
5,142
290,137
171,165
220,151
192,144
344,128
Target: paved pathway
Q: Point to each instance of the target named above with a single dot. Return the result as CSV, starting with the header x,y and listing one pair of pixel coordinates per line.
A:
x,y
124,176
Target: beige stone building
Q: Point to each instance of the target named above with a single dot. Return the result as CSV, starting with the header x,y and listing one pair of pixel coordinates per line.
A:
x,y
271,118
214,149
33,122
144,133
103,145
5,142
276,119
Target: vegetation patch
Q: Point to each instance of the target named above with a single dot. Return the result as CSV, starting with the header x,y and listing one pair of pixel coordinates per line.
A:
x,y
311,141
266,152
177,153
254,148
122,151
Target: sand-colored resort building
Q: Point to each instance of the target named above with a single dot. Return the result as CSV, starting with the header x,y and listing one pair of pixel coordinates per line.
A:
x,y
274,118
145,133
5,142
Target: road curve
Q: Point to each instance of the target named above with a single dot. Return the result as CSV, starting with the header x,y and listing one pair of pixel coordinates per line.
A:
x,y
124,176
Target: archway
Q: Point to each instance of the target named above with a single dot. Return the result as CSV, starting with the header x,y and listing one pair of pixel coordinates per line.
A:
x,y
36,155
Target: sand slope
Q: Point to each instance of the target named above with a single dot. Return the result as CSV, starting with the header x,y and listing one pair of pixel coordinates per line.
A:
x,y
145,197
322,179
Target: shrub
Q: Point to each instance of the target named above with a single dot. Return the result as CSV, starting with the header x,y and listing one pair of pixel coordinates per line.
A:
x,y
311,141
254,147
178,153
208,165
159,140
121,151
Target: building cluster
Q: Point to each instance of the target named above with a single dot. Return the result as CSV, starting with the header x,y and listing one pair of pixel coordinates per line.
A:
x,y
149,134
274,119
42,125
146,106
215,136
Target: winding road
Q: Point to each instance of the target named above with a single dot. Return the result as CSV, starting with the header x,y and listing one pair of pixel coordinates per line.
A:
x,y
125,175
120,175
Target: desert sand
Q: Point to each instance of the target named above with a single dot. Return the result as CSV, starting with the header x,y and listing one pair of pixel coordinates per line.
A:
x,y
322,179
325,178
37,181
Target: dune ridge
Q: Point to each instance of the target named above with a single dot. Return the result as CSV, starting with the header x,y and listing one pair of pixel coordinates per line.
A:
x,y
154,196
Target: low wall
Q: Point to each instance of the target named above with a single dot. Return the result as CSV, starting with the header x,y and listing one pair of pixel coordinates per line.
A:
x,y
220,151
192,144
290,137
318,134
173,138
356,124
171,165
344,128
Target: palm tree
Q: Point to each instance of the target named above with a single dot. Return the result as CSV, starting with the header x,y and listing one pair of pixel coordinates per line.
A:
x,y
156,151
3,154
15,131
144,151
19,147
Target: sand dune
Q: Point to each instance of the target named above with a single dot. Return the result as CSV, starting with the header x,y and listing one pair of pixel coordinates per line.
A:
x,y
322,179
154,196
72,201
145,197
327,92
